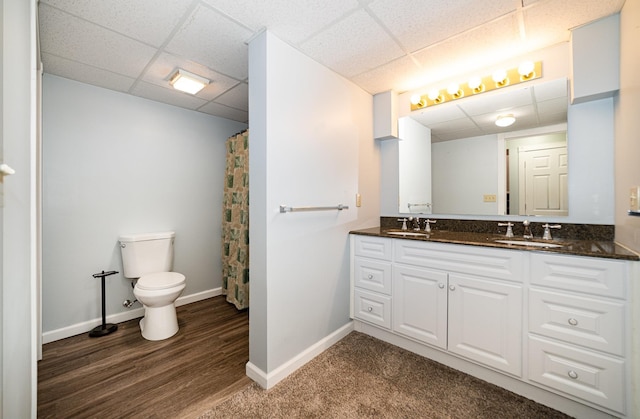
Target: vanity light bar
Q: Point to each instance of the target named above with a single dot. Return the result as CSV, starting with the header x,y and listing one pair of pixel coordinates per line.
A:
x,y
478,85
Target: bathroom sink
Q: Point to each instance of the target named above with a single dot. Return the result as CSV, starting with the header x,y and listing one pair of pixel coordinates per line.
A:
x,y
529,243
407,233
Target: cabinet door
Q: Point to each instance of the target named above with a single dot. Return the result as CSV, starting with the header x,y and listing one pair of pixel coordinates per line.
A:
x,y
485,322
420,304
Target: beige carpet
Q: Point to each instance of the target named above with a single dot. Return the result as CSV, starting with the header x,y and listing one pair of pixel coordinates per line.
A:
x,y
363,377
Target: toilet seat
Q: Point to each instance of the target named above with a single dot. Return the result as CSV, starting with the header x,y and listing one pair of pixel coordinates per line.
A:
x,y
160,281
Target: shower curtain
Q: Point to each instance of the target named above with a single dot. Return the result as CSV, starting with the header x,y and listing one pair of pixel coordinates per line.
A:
x,y
235,222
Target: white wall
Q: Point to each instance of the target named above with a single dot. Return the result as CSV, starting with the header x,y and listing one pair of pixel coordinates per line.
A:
x,y
627,126
18,341
627,169
311,145
113,164
454,189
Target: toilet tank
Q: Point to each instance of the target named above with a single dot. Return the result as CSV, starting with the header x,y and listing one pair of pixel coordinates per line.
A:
x,y
146,253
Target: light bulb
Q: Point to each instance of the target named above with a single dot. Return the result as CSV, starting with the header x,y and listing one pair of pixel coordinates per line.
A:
x,y
433,94
526,70
500,77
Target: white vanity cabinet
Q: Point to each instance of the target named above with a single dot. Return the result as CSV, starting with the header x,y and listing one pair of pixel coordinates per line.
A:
x,y
552,327
577,327
371,280
471,305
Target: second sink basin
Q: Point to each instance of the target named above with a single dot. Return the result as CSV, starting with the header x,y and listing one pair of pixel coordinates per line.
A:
x,y
407,233
529,243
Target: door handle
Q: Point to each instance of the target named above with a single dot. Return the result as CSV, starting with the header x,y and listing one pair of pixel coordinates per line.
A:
x,y
6,170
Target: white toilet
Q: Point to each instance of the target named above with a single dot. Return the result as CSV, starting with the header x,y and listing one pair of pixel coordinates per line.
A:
x,y
149,257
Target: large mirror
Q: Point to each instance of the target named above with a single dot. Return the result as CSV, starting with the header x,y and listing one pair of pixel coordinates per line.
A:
x,y
454,159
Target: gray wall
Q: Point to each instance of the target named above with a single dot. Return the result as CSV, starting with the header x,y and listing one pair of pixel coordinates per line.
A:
x,y
113,164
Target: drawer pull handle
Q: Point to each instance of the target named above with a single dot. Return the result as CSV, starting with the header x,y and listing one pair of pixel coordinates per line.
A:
x,y
441,285
369,309
572,374
370,276
573,322
452,287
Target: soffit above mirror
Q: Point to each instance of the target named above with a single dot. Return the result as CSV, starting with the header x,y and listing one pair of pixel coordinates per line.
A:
x,y
533,105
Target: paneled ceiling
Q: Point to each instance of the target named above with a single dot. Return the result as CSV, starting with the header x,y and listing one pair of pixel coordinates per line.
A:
x,y
134,46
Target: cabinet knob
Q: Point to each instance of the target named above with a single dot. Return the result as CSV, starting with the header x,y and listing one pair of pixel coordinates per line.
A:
x,y
573,322
369,309
452,287
572,374
370,276
441,285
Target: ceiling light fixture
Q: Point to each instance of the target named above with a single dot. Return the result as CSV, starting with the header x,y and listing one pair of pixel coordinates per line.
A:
x,y
505,120
187,82
524,72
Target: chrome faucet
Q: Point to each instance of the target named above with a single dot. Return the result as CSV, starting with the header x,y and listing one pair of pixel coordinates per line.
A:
x,y
404,223
415,222
427,225
509,226
527,230
547,231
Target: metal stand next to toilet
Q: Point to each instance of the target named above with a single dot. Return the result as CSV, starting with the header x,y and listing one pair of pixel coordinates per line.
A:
x,y
105,328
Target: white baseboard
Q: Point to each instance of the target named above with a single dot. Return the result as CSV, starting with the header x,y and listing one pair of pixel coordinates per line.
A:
x,y
85,327
269,380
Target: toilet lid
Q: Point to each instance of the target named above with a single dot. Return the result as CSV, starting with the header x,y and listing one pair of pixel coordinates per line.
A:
x,y
160,280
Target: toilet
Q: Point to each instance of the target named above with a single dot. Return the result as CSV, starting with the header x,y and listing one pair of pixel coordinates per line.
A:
x,y
148,258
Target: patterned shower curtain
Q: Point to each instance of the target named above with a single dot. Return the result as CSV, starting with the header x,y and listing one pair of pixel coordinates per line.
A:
x,y
235,222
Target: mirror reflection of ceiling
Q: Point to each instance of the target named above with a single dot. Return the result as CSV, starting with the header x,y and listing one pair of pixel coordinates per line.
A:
x,y
135,46
532,105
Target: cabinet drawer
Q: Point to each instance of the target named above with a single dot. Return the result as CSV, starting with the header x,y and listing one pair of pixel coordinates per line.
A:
x,y
591,322
372,275
587,375
372,308
492,263
605,278
372,247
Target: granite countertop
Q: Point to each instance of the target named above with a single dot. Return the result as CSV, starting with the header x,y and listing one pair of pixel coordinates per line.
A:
x,y
602,249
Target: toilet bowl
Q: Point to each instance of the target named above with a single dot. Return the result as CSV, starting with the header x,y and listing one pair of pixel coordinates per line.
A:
x,y
147,259
158,292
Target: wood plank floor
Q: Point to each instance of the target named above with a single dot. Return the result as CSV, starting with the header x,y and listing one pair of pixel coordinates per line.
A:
x,y
122,375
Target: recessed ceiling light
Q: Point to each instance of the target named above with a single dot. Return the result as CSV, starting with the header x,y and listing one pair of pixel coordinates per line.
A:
x,y
187,82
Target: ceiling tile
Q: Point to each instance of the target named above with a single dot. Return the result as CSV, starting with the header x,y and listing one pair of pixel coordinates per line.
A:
x,y
222,111
464,53
291,21
85,74
353,45
406,19
165,65
237,98
75,39
143,20
401,74
213,40
548,23
170,96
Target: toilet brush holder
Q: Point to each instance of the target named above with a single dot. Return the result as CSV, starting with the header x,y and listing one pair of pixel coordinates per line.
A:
x,y
105,328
